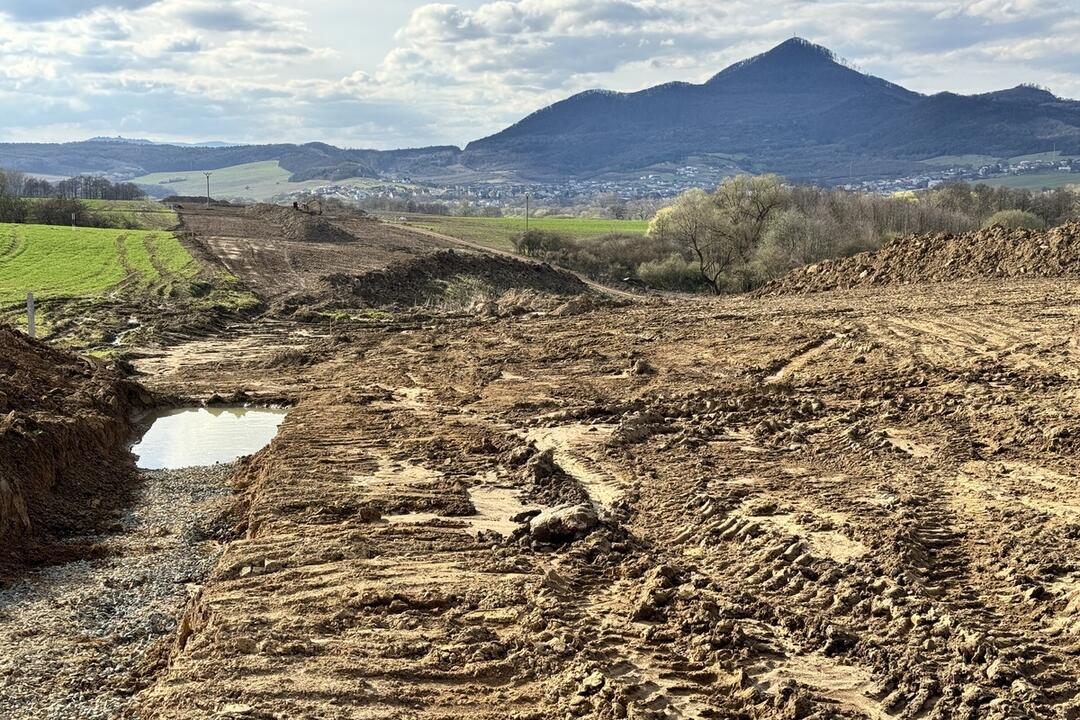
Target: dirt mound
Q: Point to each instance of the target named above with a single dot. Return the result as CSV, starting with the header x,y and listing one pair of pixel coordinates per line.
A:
x,y
300,226
193,200
992,253
63,427
450,279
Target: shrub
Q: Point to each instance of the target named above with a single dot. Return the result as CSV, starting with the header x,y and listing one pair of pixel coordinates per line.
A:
x,y
672,273
535,243
1015,219
57,211
13,209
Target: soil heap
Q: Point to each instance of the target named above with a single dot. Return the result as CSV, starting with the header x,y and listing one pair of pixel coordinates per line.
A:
x,y
300,226
446,275
994,252
63,427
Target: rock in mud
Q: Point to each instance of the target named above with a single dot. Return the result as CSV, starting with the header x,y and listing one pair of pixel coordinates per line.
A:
x,y
541,466
563,524
641,366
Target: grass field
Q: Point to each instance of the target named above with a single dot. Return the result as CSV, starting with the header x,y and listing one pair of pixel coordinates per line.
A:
x,y
145,214
499,233
62,262
1040,157
140,214
256,181
1036,181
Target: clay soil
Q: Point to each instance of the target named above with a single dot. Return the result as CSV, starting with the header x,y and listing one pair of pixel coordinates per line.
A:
x,y
860,505
282,252
855,504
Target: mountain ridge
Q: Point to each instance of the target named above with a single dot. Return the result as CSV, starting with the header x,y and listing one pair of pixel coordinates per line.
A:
x,y
797,100
797,110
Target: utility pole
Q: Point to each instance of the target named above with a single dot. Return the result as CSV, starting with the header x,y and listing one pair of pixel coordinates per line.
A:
x,y
31,326
207,174
527,198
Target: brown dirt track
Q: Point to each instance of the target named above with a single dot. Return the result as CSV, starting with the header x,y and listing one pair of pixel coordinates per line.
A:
x,y
858,504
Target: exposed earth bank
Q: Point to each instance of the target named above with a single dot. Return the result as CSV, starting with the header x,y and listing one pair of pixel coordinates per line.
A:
x,y
64,421
995,252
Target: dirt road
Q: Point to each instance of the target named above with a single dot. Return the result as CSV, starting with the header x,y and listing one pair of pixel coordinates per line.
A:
x,y
859,505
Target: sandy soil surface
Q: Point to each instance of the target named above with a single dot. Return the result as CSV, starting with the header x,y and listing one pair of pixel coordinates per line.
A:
x,y
853,505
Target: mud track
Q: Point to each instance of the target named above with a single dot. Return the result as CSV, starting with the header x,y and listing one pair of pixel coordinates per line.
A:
x,y
855,505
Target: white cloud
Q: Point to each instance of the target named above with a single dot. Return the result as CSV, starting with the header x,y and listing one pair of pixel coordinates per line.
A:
x,y
40,10
264,70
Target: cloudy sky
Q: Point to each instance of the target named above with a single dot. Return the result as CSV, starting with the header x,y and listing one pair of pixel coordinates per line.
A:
x,y
394,73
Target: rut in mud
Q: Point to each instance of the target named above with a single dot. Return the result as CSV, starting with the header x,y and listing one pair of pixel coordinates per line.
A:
x,y
856,506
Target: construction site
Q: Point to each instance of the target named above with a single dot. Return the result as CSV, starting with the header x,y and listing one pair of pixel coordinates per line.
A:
x,y
497,489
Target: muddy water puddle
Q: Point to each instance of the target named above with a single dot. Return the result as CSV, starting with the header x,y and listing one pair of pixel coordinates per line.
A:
x,y
194,437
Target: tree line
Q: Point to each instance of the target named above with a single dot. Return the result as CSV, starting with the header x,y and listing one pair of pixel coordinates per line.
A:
x,y
81,187
751,229
27,199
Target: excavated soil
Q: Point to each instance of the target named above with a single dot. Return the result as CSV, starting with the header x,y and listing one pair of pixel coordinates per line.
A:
x,y
301,226
860,505
991,253
268,254
428,279
63,421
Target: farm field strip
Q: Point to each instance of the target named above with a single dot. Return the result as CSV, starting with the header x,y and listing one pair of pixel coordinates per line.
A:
x,y
499,233
62,262
257,180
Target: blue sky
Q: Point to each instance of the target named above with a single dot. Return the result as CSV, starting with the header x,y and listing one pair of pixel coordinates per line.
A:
x,y
406,73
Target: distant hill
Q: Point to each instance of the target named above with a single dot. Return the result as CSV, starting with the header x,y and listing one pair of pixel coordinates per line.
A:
x,y
143,141
796,110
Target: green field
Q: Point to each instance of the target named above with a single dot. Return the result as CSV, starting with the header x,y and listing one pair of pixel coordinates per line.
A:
x,y
62,262
1036,181
499,233
1039,157
255,181
979,160
144,214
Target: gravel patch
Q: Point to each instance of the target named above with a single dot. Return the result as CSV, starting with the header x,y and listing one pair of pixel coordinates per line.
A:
x,y
77,640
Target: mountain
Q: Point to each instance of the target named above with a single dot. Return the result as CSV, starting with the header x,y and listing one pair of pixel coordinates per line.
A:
x,y
796,110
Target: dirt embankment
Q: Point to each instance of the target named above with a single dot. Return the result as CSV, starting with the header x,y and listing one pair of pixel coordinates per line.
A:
x,y
299,226
992,253
449,277
63,426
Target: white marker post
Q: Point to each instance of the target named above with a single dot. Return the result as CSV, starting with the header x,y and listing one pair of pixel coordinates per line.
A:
x,y
31,330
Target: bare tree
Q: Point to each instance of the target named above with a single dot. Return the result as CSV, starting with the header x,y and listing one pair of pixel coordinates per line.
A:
x,y
688,224
722,231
